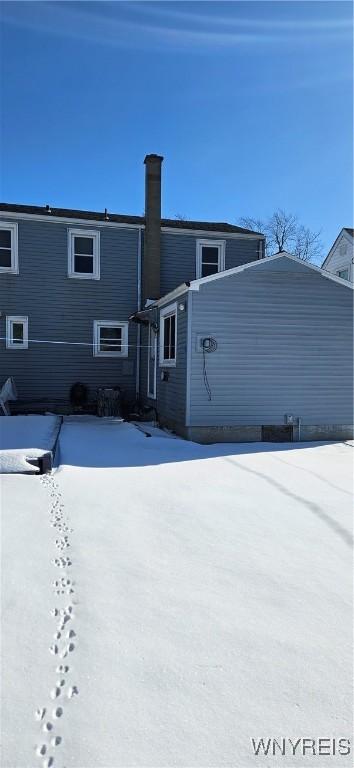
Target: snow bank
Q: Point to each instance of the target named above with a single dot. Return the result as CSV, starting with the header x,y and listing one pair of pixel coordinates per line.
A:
x,y
26,437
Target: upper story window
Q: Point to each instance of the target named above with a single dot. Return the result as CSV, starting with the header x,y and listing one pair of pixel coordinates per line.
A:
x,y
8,248
84,254
210,257
16,332
168,335
110,338
343,273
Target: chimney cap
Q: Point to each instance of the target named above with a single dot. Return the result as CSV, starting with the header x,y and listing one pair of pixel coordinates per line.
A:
x,y
153,158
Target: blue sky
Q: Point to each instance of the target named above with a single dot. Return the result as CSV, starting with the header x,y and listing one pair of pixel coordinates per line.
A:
x,y
249,102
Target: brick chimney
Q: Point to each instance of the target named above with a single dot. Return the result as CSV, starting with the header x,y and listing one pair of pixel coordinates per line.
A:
x,y
151,262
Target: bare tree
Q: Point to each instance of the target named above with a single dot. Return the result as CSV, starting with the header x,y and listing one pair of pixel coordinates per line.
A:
x,y
284,233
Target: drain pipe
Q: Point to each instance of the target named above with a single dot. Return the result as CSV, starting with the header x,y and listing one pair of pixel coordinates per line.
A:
x,y
138,334
299,429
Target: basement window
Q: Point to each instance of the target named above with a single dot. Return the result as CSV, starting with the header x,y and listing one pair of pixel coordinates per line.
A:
x,y
84,254
16,332
110,338
8,248
168,335
210,257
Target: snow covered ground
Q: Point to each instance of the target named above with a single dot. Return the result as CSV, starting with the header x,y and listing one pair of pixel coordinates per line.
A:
x,y
163,603
26,437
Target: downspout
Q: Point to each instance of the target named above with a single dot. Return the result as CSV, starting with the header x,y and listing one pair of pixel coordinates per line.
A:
x,y
138,334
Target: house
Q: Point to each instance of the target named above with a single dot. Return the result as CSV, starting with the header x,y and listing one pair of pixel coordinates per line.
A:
x,y
70,280
189,317
260,351
340,259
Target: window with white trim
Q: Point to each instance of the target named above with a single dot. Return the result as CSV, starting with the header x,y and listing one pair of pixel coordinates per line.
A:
x,y
110,338
343,273
210,257
168,335
8,248
16,332
84,254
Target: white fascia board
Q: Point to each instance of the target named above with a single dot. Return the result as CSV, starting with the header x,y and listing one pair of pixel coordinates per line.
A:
x,y
67,220
168,297
207,233
196,284
91,222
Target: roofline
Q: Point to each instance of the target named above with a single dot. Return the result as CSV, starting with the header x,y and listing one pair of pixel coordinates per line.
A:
x,y
129,224
196,284
344,230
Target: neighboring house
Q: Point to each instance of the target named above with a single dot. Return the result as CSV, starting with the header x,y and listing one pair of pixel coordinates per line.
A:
x,y
186,316
340,259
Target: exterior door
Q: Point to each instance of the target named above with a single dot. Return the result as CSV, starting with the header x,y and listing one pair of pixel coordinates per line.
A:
x,y
152,363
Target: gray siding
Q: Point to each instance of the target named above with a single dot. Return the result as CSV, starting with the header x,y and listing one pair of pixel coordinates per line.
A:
x,y
285,341
178,256
63,309
171,395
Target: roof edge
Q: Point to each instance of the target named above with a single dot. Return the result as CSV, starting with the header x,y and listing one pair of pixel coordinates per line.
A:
x,y
196,284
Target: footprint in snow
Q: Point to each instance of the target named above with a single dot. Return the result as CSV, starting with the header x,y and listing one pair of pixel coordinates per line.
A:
x,y
41,750
55,692
62,669
39,713
55,741
47,727
73,691
58,712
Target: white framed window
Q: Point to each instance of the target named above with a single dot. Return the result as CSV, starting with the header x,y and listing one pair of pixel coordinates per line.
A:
x,y
210,257
152,360
84,254
110,338
343,272
16,332
168,336
8,247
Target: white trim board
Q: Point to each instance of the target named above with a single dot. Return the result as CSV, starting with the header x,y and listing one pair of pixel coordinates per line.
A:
x,y
168,311
122,225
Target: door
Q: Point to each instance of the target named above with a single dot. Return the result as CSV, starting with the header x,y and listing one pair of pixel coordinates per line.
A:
x,y
152,363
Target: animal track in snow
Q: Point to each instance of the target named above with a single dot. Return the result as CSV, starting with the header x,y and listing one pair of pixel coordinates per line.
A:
x,y
62,668
62,615
55,692
73,691
62,562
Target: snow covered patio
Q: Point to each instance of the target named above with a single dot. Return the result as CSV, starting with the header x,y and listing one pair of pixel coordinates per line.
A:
x,y
164,603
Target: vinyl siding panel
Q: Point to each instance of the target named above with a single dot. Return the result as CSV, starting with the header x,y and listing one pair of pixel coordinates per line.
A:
x,y
285,345
171,394
178,256
64,309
